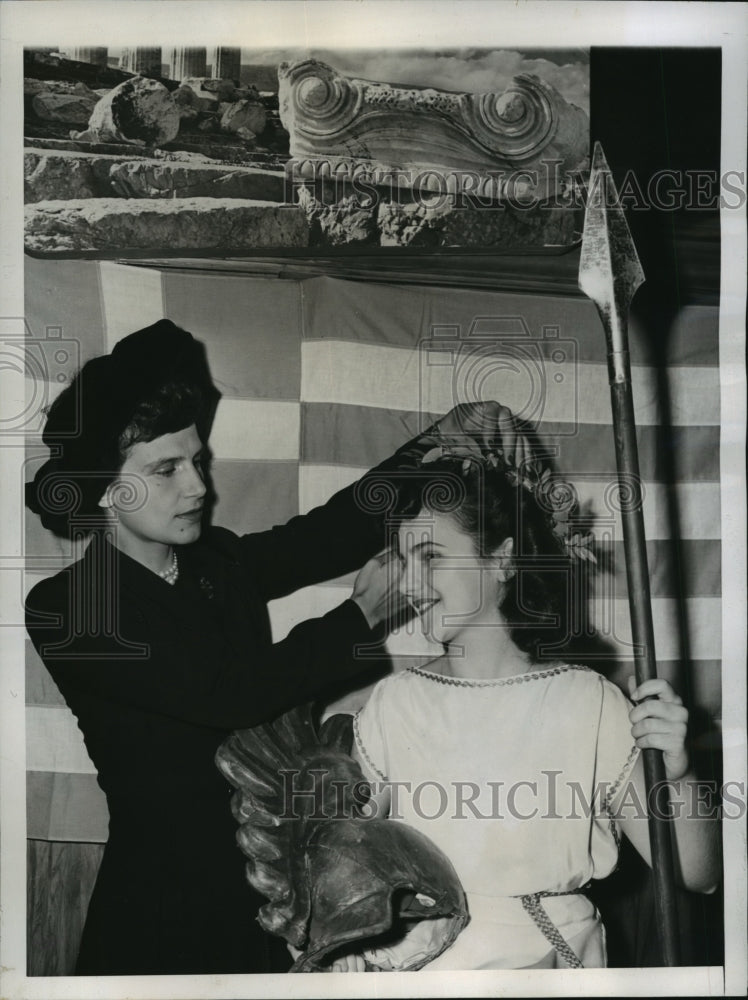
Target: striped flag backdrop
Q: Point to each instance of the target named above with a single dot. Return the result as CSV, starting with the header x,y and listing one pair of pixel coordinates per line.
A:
x,y
321,378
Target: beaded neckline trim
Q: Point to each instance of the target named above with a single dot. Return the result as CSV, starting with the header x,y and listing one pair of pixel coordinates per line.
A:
x,y
494,681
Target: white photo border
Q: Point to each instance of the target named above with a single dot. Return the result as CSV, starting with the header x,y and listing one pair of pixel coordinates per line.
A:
x,y
392,24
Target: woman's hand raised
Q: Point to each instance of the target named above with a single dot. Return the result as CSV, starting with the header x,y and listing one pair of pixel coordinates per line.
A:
x,y
376,590
489,425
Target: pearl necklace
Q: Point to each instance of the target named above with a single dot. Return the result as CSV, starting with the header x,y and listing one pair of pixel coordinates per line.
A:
x,y
171,574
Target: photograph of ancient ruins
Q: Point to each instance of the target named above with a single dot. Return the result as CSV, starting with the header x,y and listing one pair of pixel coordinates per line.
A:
x,y
230,151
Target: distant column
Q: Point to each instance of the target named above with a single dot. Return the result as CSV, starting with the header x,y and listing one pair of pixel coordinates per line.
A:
x,y
188,62
96,56
146,61
226,63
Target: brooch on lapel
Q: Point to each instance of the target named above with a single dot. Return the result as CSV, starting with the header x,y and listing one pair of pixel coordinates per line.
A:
x,y
207,587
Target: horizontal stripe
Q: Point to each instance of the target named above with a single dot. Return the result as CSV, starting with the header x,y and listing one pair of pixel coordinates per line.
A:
x,y
251,329
688,568
54,742
253,429
132,299
536,388
30,579
697,504
27,397
246,429
63,298
309,602
402,317
313,601
251,496
610,617
699,682
254,496
40,543
40,688
34,375
63,807
360,435
703,619
691,570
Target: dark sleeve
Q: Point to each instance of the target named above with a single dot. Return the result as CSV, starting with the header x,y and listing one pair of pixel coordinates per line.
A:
x,y
333,539
189,674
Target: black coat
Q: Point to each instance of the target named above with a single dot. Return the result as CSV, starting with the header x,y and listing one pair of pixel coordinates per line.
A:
x,y
156,688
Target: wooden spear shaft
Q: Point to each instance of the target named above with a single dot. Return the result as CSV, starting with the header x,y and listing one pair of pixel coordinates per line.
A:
x,y
610,273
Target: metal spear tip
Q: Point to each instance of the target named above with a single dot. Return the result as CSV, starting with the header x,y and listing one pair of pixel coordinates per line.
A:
x,y
609,267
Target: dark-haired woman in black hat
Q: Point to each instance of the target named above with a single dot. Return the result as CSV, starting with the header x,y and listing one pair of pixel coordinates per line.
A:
x,y
159,640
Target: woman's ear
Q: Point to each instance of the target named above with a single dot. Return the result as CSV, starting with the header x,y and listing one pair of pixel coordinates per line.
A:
x,y
107,501
503,556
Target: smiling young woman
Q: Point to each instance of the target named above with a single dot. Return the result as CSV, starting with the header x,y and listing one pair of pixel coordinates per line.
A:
x,y
497,744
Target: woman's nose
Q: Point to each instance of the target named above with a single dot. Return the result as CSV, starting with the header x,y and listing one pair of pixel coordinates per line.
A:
x,y
412,579
406,583
196,486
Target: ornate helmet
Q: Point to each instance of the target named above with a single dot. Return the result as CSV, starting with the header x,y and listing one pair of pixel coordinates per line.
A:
x,y
336,879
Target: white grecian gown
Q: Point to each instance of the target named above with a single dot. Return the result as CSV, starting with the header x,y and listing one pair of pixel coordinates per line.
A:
x,y
512,779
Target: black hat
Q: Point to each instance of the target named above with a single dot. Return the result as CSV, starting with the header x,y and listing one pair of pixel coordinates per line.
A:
x,y
84,424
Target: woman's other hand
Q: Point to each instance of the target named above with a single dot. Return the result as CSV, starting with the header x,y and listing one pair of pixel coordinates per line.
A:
x,y
421,942
353,962
660,722
376,590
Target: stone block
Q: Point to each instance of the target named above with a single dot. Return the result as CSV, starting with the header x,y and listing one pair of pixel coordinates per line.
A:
x,y
191,93
187,102
346,223
218,89
411,225
32,87
74,107
447,225
162,226
245,116
157,179
57,176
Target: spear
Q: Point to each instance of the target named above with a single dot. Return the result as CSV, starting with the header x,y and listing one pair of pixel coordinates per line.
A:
x,y
610,274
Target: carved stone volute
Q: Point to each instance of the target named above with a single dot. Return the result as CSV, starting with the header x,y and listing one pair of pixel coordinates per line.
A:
x,y
336,118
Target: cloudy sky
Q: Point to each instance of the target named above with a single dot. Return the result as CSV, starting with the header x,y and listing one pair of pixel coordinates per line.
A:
x,y
474,70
